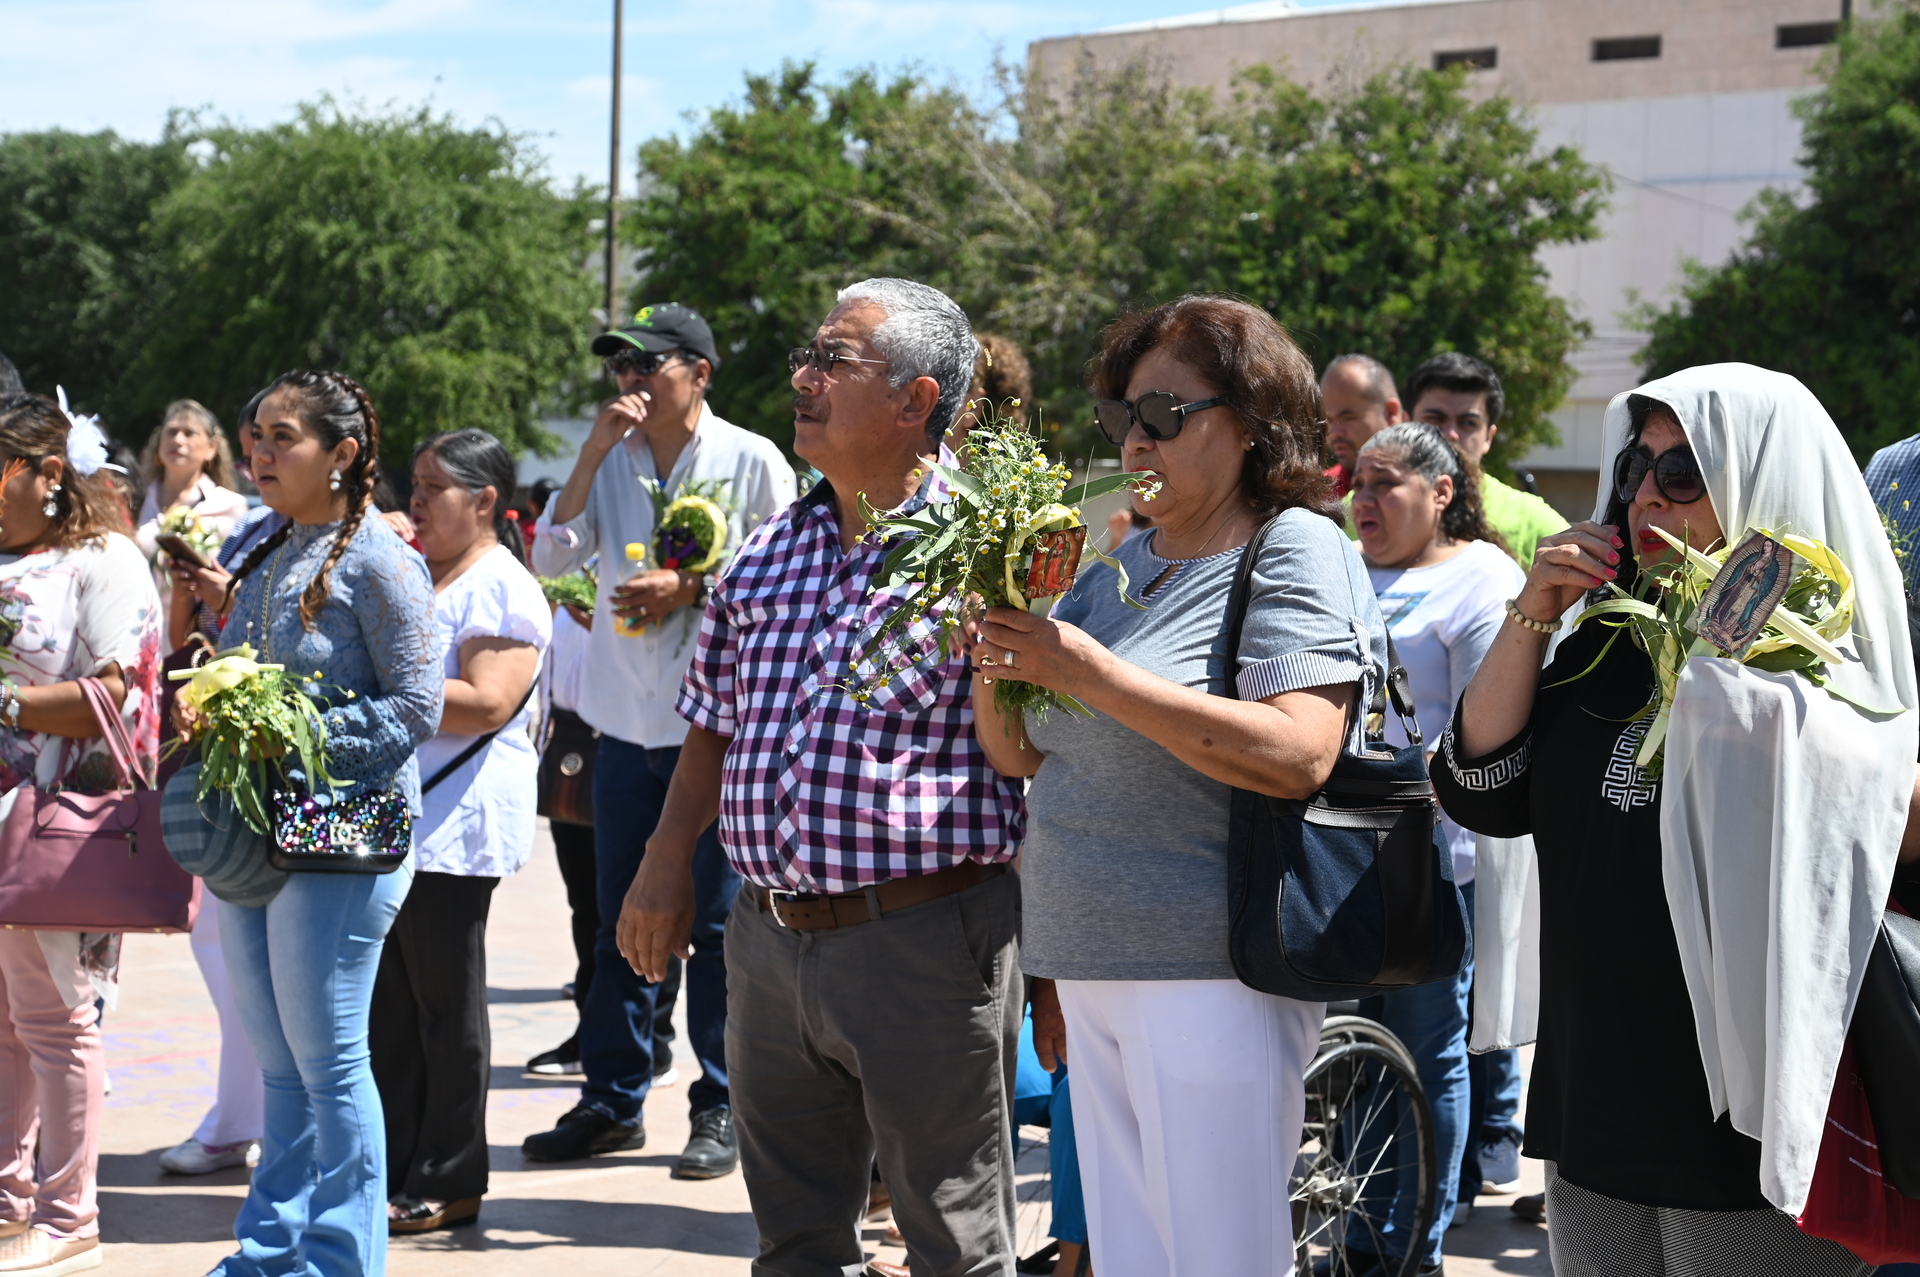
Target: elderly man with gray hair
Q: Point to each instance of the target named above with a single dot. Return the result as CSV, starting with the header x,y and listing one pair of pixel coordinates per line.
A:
x,y
872,955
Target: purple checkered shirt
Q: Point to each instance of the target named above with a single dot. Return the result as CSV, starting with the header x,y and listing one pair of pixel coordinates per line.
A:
x,y
819,793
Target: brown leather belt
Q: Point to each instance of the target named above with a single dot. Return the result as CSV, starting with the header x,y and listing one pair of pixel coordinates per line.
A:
x,y
851,908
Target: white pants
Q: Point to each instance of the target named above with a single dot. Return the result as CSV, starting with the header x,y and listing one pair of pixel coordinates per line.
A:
x,y
1188,1099
239,1101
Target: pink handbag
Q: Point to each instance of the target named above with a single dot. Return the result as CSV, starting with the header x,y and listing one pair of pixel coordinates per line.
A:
x,y
93,862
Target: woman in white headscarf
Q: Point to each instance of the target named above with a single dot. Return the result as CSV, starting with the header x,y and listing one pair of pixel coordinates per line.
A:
x,y
1703,932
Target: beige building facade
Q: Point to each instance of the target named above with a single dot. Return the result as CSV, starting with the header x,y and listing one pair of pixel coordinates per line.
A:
x,y
1687,103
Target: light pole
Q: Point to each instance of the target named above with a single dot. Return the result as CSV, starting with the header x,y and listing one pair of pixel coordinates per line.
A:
x,y
613,180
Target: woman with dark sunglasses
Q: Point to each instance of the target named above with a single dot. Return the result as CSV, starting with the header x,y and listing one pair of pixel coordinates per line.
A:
x,y
1188,1085
1703,926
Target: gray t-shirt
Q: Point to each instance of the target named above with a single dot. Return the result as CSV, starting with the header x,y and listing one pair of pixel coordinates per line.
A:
x,y
1124,872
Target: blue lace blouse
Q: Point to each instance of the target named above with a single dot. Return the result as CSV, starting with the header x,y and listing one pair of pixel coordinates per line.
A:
x,y
375,636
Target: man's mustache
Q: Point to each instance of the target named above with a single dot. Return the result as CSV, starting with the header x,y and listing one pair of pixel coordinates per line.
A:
x,y
810,406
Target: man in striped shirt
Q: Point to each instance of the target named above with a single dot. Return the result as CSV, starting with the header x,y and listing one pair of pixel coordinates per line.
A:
x,y
872,957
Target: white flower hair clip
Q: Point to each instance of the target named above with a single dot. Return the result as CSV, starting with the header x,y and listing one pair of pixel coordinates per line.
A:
x,y
86,445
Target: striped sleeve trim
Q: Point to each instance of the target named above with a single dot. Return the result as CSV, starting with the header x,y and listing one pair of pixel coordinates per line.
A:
x,y
1296,670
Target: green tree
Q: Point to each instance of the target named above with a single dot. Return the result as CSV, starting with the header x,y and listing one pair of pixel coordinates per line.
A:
x,y
74,256
1401,218
771,206
1405,219
1827,288
430,261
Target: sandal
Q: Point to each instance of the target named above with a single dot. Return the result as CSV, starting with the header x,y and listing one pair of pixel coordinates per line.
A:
x,y
412,1215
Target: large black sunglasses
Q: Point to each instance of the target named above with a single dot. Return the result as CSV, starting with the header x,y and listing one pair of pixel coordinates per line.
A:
x,y
1676,474
641,363
1159,413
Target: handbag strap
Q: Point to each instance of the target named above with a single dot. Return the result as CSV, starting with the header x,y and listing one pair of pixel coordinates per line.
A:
x,y
1394,686
460,759
113,732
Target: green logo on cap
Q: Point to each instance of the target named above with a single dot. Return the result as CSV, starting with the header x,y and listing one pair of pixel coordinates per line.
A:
x,y
645,318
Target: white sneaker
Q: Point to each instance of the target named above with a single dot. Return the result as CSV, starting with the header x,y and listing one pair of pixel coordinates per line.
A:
x,y
191,1157
668,1078
1500,1165
40,1253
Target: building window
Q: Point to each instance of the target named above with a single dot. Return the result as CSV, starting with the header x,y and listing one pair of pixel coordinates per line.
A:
x,y
1476,59
1805,35
1626,47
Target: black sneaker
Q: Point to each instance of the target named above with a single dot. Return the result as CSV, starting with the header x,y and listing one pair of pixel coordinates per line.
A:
x,y
562,1061
584,1131
713,1150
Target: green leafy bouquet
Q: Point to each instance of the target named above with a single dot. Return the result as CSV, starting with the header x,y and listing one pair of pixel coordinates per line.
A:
x,y
1008,534
248,717
1662,614
576,588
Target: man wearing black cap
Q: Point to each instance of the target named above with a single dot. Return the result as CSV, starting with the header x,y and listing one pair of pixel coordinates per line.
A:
x,y
656,439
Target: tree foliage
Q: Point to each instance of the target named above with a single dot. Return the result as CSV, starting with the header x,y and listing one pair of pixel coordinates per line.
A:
x,y
75,255
430,261
1827,288
1400,218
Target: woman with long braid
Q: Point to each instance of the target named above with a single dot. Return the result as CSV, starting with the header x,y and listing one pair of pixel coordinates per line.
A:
x,y
340,593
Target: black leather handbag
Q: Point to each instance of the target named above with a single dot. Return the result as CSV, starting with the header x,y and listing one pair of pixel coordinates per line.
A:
x,y
566,770
1885,1030
1349,893
1886,1047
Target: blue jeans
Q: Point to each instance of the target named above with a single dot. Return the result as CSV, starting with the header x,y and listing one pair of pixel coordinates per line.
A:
x,y
616,1024
303,967
1495,1111
1432,1021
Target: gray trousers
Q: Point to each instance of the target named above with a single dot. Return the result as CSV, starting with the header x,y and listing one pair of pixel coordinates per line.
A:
x,y
894,1039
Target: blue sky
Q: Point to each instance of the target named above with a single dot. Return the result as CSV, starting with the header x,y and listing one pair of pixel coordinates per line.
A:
x,y
542,68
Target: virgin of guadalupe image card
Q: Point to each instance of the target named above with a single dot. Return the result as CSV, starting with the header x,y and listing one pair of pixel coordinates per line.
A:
x,y
1741,600
1056,562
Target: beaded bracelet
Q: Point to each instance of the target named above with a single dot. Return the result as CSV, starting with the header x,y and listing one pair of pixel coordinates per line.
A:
x,y
10,706
1521,618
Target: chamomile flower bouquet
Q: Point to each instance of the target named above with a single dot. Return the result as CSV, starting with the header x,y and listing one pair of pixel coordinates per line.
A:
x,y
190,528
1682,606
1007,533
249,717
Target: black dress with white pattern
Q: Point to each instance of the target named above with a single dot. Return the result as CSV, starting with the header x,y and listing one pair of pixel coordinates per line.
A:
x,y
1619,1096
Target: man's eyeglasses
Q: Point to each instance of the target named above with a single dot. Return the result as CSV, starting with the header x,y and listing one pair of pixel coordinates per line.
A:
x,y
639,363
822,360
1676,473
1159,413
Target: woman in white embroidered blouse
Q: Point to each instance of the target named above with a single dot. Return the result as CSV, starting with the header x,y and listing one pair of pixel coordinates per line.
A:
x,y
431,1048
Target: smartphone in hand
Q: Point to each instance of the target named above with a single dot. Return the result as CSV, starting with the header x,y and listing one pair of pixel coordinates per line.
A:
x,y
176,545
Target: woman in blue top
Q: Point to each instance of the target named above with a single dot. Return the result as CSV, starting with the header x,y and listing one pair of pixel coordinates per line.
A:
x,y
335,591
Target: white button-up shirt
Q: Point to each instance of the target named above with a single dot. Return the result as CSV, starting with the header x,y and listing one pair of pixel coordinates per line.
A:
x,y
630,684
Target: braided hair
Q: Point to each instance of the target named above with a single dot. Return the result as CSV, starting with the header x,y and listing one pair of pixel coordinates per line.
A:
x,y
335,407
1428,453
476,460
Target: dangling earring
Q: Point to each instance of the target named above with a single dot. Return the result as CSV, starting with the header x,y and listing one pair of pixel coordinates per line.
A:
x,y
51,507
333,482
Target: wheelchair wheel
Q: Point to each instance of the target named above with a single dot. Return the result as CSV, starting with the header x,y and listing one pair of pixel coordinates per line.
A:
x,y
1368,1131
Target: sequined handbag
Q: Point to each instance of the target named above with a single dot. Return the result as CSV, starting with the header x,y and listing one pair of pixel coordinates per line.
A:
x,y
343,833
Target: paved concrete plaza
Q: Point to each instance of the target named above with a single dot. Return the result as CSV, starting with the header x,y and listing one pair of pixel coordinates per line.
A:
x,y
621,1215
